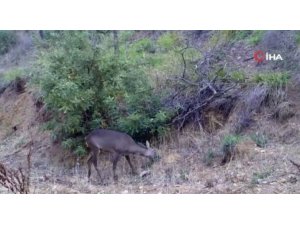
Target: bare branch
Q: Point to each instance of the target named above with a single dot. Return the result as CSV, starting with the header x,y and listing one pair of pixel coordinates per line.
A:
x,y
17,181
13,180
295,164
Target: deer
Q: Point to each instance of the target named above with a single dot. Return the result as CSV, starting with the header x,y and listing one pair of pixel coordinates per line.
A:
x,y
117,143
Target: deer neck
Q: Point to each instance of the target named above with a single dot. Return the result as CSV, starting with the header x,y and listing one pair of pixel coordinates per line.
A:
x,y
138,150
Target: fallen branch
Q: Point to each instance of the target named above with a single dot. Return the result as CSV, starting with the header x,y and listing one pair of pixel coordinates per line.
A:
x,y
13,180
17,181
295,164
207,95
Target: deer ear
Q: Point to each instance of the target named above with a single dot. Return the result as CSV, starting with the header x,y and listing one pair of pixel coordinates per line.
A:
x,y
147,144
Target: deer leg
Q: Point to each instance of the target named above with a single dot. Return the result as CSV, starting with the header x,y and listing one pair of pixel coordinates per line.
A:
x,y
130,164
116,158
89,162
95,156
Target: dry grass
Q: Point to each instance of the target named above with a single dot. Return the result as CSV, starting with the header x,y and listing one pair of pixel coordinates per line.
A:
x,y
20,54
182,170
268,171
190,160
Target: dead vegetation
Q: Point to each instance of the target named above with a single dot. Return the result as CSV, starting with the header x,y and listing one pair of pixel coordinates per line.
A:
x,y
17,181
295,164
214,100
284,111
260,156
193,97
14,180
250,103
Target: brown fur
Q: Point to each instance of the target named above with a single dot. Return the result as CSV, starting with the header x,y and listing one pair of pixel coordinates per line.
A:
x,y
117,143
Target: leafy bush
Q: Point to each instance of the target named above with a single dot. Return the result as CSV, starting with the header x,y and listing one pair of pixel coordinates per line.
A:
x,y
260,139
14,78
238,76
258,176
12,74
225,36
86,86
228,145
209,157
144,45
272,79
228,36
255,37
234,35
170,40
229,142
7,40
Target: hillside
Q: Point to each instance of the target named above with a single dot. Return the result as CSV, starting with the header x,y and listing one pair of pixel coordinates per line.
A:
x,y
193,150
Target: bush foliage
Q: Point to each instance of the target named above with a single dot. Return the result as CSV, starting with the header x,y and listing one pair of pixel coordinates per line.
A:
x,y
7,40
230,36
229,142
86,85
276,79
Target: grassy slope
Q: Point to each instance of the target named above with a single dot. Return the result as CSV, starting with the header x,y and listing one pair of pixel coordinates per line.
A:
x,y
182,169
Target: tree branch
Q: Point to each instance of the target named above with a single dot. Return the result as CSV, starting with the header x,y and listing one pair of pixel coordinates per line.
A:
x,y
295,164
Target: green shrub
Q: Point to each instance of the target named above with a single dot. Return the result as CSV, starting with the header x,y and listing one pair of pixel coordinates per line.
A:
x,y
142,126
234,35
256,37
125,35
272,79
229,142
7,40
228,146
209,157
169,41
260,139
231,36
12,74
85,85
257,176
238,76
228,36
144,45
231,139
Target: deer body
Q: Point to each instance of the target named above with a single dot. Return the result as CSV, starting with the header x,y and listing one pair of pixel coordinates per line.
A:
x,y
119,144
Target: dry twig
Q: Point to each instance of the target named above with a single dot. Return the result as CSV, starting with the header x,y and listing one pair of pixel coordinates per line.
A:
x,y
295,164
